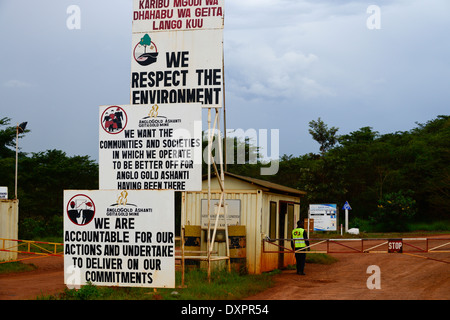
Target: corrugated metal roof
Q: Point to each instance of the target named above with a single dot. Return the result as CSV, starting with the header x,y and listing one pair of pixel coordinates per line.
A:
x,y
274,187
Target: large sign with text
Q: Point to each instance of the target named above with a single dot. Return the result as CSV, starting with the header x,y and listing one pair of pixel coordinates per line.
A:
x,y
177,52
3,192
177,15
150,147
119,238
324,215
233,213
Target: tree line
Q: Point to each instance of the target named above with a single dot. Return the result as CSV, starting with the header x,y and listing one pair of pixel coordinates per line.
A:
x,y
42,179
387,178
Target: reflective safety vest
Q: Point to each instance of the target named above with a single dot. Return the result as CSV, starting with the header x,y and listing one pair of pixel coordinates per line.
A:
x,y
297,234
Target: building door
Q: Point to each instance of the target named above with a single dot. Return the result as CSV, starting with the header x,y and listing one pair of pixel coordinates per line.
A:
x,y
286,224
281,232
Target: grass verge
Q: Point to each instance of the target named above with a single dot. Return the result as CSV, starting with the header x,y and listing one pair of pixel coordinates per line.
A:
x,y
11,267
320,258
224,286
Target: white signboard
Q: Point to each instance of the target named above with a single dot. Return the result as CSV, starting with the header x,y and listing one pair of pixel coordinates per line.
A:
x,y
3,192
119,238
150,147
233,213
324,215
167,67
177,15
180,64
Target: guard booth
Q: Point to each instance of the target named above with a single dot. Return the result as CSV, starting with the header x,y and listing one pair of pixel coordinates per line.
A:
x,y
256,209
9,228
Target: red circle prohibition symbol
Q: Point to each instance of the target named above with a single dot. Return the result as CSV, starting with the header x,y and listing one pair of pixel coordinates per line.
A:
x,y
114,120
80,209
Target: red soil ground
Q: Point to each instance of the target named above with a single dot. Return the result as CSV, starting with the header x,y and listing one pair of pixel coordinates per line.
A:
x,y
402,277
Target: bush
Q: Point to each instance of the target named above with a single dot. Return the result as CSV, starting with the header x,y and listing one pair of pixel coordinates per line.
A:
x,y
361,224
39,227
394,211
31,228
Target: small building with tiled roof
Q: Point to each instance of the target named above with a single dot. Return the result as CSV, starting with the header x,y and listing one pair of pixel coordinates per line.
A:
x,y
256,210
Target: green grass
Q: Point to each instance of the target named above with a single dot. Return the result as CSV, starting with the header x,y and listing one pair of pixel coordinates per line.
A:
x,y
365,226
413,229
320,258
224,286
436,226
10,267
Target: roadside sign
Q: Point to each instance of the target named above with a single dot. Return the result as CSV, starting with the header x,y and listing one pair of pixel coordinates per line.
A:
x,y
346,206
119,238
395,245
177,15
233,208
324,215
177,52
155,147
3,192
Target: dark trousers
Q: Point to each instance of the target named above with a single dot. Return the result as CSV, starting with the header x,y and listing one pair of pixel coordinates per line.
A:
x,y
300,257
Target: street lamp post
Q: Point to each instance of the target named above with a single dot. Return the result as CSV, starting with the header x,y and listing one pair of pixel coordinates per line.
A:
x,y
20,128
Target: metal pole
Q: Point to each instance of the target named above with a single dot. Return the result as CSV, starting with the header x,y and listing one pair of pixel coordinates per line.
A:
x,y
17,143
222,181
209,195
224,114
346,220
182,257
308,224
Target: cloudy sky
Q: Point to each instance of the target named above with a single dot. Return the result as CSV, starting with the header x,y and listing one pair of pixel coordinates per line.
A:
x,y
287,62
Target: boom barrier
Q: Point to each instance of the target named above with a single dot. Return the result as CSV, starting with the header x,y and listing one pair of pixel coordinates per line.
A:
x,y
368,245
37,248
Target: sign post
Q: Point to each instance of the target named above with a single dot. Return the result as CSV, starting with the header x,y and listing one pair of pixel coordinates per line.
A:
x,y
123,234
346,207
177,57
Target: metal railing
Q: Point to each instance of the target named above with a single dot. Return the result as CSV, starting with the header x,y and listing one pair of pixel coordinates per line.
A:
x,y
39,248
362,245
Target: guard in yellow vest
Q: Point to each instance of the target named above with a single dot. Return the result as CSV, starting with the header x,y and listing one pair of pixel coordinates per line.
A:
x,y
299,243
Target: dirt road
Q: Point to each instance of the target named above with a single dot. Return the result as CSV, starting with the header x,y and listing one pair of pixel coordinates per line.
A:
x,y
48,278
402,277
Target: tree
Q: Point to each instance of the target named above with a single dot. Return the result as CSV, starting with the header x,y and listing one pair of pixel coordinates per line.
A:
x,y
395,210
45,176
242,155
145,41
8,139
325,137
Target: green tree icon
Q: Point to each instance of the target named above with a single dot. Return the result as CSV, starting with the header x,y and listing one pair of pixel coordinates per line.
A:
x,y
145,41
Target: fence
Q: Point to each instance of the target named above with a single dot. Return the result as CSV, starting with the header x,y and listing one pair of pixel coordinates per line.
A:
x,y
397,245
36,248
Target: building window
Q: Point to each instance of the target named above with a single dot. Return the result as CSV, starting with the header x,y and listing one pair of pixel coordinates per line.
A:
x,y
273,220
290,213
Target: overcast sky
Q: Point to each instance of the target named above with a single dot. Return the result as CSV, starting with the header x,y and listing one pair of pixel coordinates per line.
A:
x,y
287,62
